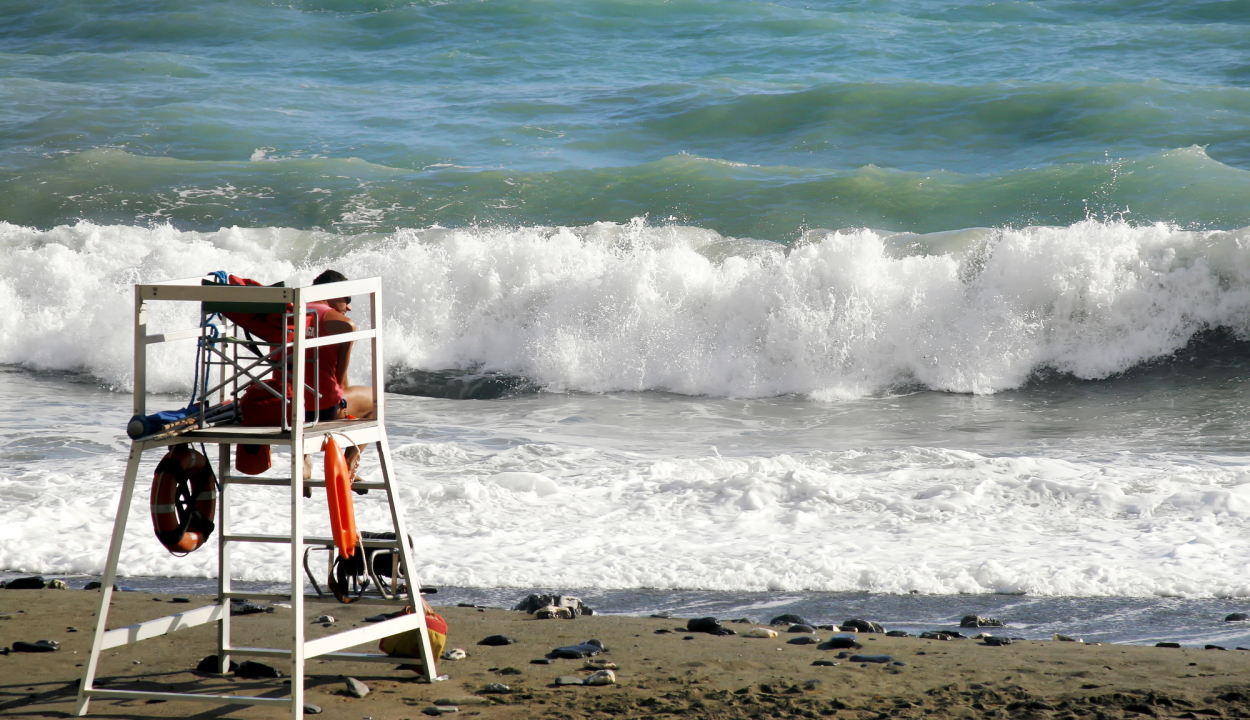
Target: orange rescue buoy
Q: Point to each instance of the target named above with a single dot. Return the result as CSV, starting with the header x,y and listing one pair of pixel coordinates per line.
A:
x,y
339,494
184,500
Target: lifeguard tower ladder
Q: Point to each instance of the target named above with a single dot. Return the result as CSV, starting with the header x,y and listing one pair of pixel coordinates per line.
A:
x,y
235,370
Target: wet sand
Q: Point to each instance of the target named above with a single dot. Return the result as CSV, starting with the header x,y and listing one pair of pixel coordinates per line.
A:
x,y
673,674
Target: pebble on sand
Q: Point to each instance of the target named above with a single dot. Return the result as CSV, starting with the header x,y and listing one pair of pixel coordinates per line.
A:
x,y
212,664
788,620
843,642
553,612
883,659
463,700
36,647
602,677
863,626
355,688
590,648
496,640
252,670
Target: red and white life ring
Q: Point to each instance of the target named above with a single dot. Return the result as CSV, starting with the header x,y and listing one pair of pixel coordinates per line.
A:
x,y
184,500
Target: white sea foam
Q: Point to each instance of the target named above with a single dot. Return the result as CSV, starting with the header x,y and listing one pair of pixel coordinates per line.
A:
x,y
642,501
633,307
909,519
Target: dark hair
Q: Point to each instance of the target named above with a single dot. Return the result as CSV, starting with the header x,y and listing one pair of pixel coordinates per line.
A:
x,y
329,276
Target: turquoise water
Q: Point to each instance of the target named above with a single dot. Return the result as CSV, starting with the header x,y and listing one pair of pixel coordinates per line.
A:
x,y
748,118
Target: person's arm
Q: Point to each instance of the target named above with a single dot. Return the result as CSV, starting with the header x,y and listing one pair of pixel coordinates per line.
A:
x,y
336,323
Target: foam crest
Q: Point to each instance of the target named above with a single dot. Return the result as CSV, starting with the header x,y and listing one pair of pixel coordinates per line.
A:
x,y
638,307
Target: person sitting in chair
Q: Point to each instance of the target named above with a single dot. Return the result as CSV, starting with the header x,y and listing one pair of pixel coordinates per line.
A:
x,y
338,400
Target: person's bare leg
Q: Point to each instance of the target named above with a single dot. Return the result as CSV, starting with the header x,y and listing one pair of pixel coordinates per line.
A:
x,y
359,402
359,406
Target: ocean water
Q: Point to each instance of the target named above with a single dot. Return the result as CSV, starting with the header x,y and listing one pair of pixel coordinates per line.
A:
x,y
877,300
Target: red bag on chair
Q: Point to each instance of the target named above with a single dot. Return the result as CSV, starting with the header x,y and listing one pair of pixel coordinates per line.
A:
x,y
252,459
259,407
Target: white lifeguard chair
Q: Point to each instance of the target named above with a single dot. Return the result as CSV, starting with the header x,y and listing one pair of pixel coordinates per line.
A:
x,y
220,354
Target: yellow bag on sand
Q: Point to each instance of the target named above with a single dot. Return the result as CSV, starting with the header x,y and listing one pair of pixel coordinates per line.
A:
x,y
408,644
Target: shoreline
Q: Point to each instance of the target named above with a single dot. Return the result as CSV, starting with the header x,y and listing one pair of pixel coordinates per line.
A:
x,y
663,669
1124,620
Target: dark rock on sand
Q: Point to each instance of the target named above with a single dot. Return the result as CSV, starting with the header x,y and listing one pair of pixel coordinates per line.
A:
x,y
246,607
842,642
252,670
788,620
540,661
709,625
662,615
96,585
496,641
803,640
704,624
898,633
1237,617
975,621
801,629
27,583
570,680
883,659
995,641
212,664
942,635
38,646
1167,644
590,648
863,626
1214,647
536,602
824,663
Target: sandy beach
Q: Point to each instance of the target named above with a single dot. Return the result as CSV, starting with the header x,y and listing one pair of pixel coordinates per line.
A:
x,y
662,670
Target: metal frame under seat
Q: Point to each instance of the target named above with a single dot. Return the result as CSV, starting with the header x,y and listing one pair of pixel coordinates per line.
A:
x,y
220,356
